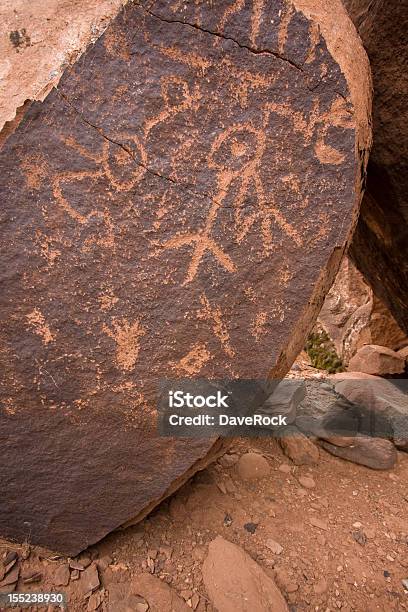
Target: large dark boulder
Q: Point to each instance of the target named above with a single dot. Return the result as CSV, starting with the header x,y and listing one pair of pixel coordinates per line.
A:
x,y
177,208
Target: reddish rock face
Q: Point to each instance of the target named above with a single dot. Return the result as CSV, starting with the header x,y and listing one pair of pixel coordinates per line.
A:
x,y
380,243
353,316
177,208
377,360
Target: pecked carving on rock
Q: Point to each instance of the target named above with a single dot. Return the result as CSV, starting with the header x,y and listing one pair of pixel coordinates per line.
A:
x,y
177,208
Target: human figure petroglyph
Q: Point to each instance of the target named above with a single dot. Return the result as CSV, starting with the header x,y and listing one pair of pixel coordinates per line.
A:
x,y
236,155
247,146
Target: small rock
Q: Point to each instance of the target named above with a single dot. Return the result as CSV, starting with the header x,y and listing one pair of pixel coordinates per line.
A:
x,y
73,564
89,579
32,577
229,485
228,461
195,600
222,487
25,551
95,601
359,536
62,575
299,448
227,520
405,583
401,443
11,577
285,581
9,561
253,466
326,386
285,468
75,575
186,594
307,482
10,557
403,353
232,580
377,360
275,547
167,551
157,594
251,527
324,502
85,561
319,523
152,553
104,562
375,453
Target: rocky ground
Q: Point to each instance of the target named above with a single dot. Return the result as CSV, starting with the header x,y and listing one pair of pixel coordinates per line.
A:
x,y
330,534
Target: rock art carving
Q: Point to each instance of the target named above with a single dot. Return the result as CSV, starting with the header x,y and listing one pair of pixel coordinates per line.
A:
x,y
177,207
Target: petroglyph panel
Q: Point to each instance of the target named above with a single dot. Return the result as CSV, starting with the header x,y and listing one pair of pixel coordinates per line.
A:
x,y
176,208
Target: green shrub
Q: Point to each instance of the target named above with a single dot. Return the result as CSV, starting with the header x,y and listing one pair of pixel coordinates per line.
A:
x,y
322,353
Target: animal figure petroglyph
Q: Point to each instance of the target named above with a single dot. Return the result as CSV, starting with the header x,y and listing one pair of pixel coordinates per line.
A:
x,y
114,162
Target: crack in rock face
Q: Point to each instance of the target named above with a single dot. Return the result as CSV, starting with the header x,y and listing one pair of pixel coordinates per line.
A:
x,y
176,209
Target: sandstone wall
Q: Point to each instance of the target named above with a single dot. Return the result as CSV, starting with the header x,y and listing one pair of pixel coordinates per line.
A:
x,y
380,243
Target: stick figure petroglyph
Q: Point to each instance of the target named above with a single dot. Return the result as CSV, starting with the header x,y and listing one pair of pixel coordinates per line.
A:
x,y
236,155
247,146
